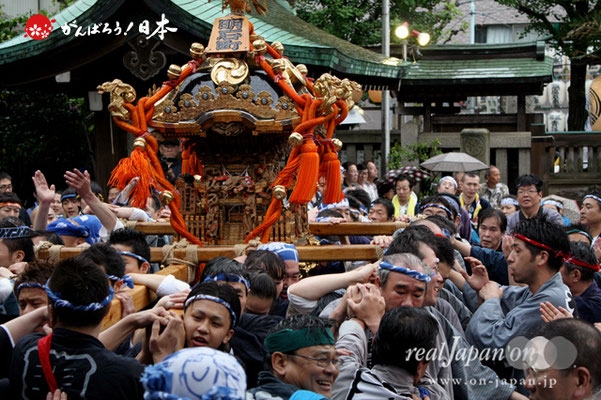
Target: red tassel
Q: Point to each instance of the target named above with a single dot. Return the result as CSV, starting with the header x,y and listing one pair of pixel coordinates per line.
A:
x,y
308,172
333,192
136,165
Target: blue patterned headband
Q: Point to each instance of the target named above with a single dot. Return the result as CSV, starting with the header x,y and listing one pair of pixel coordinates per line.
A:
x,y
341,204
228,278
69,196
449,213
125,278
592,196
137,257
409,272
29,285
509,201
17,232
216,300
58,302
553,203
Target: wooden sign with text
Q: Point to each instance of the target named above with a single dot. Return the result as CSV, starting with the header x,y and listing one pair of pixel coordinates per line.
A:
x,y
229,35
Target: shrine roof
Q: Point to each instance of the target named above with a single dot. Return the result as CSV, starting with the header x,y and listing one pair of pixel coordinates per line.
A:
x,y
477,69
303,42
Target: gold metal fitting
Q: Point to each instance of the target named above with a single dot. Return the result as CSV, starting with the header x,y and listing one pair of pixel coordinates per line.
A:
x,y
295,139
174,71
166,197
197,50
279,192
337,143
302,68
139,142
279,47
259,45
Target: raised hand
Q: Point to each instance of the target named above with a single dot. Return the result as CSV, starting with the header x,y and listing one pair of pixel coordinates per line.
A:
x,y
44,193
79,181
479,276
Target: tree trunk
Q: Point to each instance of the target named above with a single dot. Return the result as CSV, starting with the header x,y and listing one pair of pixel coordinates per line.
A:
x,y
578,114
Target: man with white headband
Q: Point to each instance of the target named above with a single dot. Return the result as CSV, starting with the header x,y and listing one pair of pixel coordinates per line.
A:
x,y
288,253
447,184
558,206
590,214
211,312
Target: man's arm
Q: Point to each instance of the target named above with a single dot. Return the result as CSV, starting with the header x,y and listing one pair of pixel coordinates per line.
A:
x,y
314,287
45,196
112,337
491,327
81,183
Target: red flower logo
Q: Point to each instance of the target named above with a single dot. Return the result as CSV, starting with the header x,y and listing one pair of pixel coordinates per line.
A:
x,y
38,27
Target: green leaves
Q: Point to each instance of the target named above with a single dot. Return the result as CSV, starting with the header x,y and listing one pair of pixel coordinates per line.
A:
x,y
359,21
41,130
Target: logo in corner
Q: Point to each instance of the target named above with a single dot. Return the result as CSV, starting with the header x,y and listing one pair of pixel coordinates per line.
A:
x,y
38,27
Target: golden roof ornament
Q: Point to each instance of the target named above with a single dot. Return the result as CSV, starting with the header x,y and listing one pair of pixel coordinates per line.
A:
x,y
120,93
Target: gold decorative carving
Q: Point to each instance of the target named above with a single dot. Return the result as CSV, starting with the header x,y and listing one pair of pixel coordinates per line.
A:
x,y
331,89
263,99
186,105
229,70
120,93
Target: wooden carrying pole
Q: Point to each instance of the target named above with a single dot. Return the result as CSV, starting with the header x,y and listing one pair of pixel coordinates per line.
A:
x,y
356,252
315,228
142,296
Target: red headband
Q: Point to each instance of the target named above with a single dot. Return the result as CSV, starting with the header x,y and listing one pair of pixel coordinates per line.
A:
x,y
534,243
582,264
8,204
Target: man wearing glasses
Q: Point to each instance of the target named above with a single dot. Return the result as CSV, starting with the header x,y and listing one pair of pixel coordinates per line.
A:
x,y
529,189
302,357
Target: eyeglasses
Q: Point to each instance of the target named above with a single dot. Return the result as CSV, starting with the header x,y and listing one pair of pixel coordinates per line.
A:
x,y
530,192
323,362
6,187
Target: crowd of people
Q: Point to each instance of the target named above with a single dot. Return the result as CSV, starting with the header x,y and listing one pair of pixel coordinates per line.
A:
x,y
475,275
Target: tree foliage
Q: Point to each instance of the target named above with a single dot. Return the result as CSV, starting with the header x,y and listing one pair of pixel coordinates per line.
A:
x,y
14,26
575,29
359,21
41,130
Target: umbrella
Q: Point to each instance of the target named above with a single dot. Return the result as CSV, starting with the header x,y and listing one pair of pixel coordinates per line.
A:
x,y
454,162
413,172
570,207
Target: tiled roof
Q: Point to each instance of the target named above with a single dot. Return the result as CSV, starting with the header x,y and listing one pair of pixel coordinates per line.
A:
x,y
303,42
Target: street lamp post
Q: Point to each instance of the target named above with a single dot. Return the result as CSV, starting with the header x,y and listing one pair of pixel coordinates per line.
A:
x,y
385,94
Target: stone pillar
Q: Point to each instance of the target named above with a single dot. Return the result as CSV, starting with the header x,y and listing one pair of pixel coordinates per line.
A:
x,y
476,143
501,163
409,136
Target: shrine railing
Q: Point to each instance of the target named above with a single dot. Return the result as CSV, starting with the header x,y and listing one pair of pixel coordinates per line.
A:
x,y
568,162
